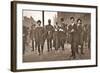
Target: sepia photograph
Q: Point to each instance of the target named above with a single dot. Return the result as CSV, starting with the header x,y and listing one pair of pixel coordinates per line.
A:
x,y
47,36
52,36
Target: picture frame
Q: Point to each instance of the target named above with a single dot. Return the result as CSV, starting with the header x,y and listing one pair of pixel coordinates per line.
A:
x,y
23,12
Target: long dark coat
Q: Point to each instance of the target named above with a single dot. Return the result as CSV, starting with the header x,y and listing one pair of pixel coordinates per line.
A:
x,y
79,34
49,31
38,35
72,37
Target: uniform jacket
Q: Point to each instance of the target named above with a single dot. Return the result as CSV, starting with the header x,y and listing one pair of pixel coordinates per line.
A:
x,y
49,31
80,33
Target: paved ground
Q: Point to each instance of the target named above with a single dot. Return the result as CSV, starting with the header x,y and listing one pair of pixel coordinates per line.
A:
x,y
32,56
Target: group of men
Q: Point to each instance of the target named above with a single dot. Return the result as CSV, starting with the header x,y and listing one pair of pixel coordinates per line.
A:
x,y
56,36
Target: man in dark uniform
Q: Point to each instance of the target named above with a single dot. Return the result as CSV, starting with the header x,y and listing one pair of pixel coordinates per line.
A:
x,y
32,36
38,36
79,35
49,35
56,38
72,28
62,33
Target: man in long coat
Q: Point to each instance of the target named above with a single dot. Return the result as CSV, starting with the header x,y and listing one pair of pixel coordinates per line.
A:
x,y
56,38
49,35
39,37
62,33
72,29
79,38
